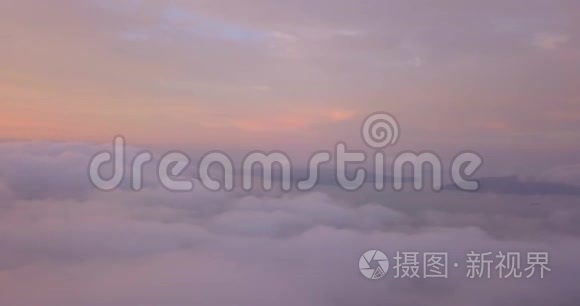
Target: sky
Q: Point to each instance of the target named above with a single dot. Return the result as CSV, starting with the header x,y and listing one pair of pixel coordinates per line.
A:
x,y
498,77
495,75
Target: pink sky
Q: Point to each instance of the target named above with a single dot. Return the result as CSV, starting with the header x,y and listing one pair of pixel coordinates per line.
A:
x,y
498,77
494,75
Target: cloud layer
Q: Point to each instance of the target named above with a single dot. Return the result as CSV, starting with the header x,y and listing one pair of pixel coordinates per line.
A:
x,y
66,244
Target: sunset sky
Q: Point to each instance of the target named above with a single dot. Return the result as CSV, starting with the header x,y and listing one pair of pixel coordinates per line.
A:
x,y
498,77
497,74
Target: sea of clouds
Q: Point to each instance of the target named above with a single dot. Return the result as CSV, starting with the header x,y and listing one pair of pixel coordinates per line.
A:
x,y
63,243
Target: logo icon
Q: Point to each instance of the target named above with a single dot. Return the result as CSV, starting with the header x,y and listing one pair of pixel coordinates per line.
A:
x,y
380,130
373,264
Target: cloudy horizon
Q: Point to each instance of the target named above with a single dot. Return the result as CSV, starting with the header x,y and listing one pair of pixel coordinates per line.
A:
x,y
498,78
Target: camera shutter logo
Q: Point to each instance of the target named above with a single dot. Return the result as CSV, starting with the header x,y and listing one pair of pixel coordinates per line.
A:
x,y
373,264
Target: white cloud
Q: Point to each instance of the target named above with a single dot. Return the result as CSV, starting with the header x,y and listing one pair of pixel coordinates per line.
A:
x,y
155,247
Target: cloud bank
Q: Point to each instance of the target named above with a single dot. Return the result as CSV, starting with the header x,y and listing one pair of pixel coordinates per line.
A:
x,y
63,243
